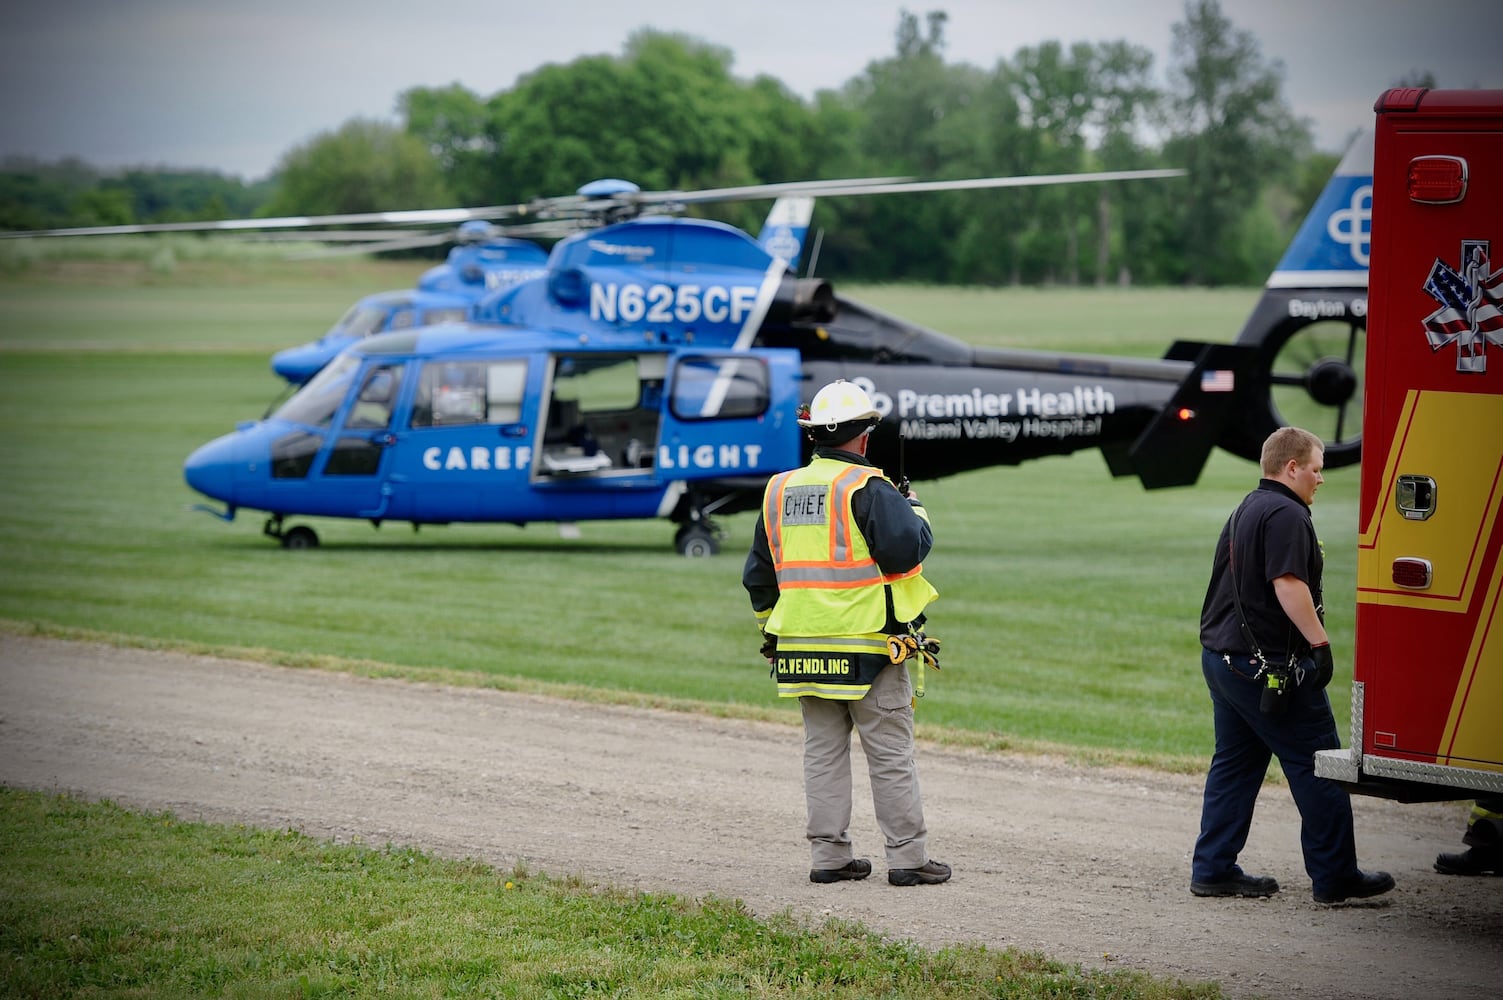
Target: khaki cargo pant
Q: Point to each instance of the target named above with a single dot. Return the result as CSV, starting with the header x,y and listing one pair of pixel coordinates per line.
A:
x,y
884,718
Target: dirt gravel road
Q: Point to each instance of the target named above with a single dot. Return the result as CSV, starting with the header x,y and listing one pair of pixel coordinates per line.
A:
x,y
1088,865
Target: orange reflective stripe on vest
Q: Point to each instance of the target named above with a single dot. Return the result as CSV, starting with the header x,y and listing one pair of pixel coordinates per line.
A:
x,y
843,567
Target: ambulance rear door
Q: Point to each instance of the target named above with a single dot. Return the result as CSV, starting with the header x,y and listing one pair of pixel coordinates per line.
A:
x,y
1428,698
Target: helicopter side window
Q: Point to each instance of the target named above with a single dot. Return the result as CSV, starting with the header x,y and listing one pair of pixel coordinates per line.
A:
x,y
315,403
505,382
292,454
720,388
402,319
455,393
361,321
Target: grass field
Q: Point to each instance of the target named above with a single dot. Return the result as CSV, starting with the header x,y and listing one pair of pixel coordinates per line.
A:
x,y
1069,599
1068,612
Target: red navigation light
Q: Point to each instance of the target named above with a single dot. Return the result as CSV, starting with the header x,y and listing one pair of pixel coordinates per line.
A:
x,y
1185,413
1437,180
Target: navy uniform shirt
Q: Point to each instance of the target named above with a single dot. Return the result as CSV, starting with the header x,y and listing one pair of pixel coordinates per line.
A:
x,y
1275,537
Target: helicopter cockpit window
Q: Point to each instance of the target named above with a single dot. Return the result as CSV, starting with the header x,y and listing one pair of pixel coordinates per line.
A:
x,y
315,403
720,388
361,321
435,316
453,393
403,318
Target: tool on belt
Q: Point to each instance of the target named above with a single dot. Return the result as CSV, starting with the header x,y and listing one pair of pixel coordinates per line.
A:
x,y
900,648
1274,698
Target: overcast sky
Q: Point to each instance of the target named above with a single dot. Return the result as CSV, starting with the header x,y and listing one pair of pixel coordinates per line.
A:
x,y
232,86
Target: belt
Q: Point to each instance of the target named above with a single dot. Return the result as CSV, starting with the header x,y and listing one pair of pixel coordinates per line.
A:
x,y
1239,663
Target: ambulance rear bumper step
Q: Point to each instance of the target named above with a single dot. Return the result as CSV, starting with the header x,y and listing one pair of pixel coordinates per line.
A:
x,y
1404,780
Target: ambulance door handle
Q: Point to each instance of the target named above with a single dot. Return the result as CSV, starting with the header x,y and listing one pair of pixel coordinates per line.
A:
x,y
1415,497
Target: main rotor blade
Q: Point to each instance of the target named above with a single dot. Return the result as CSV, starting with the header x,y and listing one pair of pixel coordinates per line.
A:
x,y
578,206
751,192
379,246
414,217
887,185
381,241
1033,180
326,236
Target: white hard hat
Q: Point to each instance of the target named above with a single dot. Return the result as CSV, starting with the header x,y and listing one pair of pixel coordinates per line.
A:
x,y
838,403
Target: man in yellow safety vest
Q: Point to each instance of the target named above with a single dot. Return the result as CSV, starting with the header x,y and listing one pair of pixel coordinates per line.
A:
x,y
835,573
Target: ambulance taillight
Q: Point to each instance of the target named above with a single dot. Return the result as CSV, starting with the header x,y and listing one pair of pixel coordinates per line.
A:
x,y
1437,180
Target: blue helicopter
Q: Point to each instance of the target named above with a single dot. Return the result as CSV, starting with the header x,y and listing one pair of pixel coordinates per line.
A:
x,y
481,261
657,367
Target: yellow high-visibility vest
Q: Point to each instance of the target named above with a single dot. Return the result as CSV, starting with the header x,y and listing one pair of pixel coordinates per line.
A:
x,y
832,594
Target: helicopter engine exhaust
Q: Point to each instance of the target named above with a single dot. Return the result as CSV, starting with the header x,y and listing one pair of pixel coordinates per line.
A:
x,y
803,300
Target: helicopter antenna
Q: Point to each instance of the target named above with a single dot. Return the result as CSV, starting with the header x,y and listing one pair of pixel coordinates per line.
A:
x,y
902,483
819,238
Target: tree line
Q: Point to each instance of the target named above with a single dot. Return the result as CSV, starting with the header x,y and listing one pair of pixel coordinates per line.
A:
x,y
669,114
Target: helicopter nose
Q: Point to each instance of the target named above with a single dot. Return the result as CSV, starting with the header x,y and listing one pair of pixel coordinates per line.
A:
x,y
298,364
213,468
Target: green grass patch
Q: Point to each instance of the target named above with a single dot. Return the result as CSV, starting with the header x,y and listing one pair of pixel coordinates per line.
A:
x,y
1136,322
96,901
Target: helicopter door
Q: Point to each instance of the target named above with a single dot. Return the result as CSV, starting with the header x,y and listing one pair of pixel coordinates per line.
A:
x,y
352,478
601,418
729,413
466,448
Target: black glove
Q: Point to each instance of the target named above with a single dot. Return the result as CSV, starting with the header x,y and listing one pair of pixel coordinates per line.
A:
x,y
1325,666
769,646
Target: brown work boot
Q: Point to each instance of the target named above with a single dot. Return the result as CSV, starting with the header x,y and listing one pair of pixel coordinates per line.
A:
x,y
933,873
852,871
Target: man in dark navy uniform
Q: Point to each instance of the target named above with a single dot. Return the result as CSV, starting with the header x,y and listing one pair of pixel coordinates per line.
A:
x,y
1267,659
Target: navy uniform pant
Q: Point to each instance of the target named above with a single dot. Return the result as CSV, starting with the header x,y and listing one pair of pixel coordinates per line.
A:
x,y
1246,739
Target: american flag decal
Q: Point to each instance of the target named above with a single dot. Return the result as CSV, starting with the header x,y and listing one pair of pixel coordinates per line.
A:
x,y
1217,380
1471,306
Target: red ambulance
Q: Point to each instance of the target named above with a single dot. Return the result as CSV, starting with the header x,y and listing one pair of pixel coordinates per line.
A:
x,y
1427,702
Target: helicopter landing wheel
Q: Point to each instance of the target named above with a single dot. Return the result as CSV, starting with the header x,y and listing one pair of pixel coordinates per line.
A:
x,y
301,537
697,541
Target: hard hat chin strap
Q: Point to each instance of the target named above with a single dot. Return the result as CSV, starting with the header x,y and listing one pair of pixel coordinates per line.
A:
x,y
851,430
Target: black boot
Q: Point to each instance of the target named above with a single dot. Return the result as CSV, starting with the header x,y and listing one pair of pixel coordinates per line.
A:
x,y
1472,861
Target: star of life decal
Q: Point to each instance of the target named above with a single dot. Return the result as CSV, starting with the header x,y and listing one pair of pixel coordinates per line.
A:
x,y
1471,306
